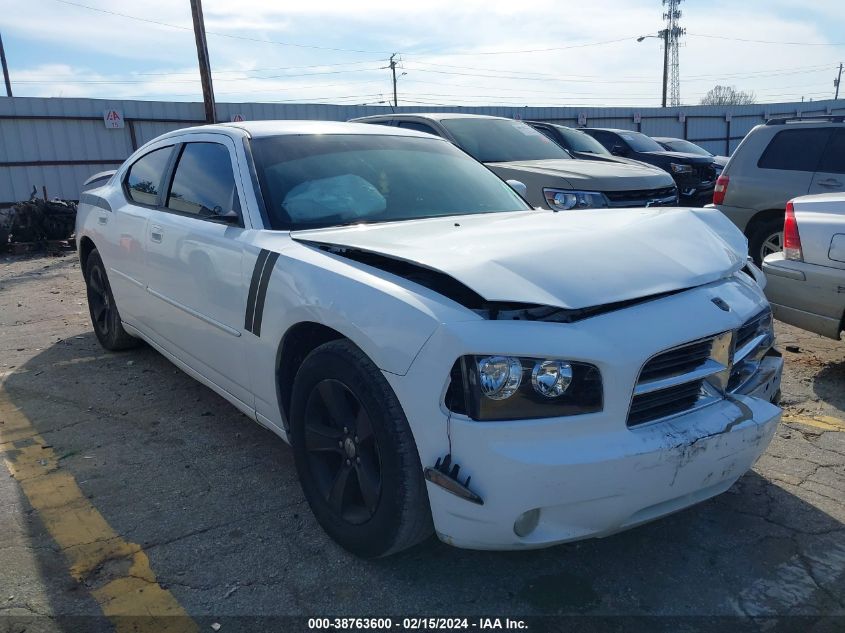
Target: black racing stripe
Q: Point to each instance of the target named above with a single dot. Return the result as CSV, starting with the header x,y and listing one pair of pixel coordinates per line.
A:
x,y
253,289
262,293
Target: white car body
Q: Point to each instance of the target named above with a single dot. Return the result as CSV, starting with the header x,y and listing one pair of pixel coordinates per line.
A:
x,y
637,282
807,290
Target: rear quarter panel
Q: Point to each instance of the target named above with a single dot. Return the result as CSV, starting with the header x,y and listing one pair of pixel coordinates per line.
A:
x,y
819,220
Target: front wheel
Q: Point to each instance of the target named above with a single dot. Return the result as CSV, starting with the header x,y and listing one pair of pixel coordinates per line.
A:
x,y
356,457
101,305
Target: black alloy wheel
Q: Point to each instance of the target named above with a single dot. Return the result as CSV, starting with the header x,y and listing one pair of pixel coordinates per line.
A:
x,y
342,450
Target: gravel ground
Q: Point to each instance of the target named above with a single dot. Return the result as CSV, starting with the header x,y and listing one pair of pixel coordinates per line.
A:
x,y
214,502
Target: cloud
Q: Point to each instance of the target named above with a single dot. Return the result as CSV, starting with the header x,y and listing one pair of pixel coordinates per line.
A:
x,y
445,47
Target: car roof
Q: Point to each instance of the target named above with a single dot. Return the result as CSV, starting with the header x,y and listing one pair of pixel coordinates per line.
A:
x,y
668,139
434,116
259,129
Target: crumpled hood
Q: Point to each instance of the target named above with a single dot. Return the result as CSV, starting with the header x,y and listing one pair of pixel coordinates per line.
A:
x,y
574,259
591,174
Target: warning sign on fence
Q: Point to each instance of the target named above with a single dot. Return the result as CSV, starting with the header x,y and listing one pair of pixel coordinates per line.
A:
x,y
113,118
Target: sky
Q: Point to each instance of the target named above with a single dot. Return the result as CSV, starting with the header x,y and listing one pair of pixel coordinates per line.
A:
x,y
450,52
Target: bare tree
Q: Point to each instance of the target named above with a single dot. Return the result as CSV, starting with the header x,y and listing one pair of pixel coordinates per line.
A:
x,y
728,95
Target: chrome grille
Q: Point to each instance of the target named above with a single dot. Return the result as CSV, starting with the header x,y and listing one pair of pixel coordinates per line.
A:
x,y
700,372
664,403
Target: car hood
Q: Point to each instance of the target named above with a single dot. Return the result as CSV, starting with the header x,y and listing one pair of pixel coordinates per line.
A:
x,y
592,174
572,259
721,160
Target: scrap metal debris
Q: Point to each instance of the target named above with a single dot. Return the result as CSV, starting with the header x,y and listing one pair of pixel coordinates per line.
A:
x,y
37,222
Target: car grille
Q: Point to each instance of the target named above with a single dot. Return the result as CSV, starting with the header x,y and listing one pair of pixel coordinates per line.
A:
x,y
706,174
666,196
701,372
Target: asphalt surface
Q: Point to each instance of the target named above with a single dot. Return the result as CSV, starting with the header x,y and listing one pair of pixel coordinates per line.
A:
x,y
212,502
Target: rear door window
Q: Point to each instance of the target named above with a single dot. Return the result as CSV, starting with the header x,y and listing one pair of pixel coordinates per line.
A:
x,y
833,158
795,150
204,183
143,179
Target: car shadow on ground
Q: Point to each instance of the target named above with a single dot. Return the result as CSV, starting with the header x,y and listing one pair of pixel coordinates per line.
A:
x,y
214,500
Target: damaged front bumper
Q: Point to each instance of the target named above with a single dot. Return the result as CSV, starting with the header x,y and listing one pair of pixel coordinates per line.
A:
x,y
531,483
593,486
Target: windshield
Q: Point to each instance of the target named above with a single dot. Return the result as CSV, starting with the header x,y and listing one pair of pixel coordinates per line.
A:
x,y
581,142
640,142
680,145
314,181
502,140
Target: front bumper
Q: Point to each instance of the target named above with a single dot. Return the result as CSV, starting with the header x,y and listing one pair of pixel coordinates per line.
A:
x,y
589,475
805,295
596,485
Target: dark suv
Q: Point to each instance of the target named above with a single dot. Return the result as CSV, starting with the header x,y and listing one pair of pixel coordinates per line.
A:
x,y
694,175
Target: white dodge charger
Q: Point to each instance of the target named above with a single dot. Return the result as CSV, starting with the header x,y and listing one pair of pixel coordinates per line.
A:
x,y
440,356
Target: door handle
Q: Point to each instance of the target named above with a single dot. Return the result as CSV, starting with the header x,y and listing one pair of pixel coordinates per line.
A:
x,y
102,219
830,182
156,233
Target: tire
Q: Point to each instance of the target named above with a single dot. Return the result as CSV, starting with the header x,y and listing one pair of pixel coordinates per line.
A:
x,y
355,454
105,318
765,236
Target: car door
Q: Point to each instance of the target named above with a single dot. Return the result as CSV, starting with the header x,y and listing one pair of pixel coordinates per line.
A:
x,y
139,193
830,175
195,259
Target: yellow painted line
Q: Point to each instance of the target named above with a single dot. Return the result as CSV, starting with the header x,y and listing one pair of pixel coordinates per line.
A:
x,y
822,422
119,572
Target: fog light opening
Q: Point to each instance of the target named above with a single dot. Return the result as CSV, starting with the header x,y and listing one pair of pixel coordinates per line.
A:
x,y
526,522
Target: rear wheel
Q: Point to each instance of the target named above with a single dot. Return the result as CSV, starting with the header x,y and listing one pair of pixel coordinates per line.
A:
x,y
104,315
765,239
355,454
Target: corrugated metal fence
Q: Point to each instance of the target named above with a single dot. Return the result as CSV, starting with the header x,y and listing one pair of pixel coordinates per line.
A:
x,y
57,143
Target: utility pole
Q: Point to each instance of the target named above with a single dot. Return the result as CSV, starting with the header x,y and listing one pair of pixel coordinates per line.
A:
x,y
665,33
835,83
204,64
393,70
9,83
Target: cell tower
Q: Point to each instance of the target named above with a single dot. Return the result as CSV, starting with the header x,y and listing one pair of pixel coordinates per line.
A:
x,y
672,15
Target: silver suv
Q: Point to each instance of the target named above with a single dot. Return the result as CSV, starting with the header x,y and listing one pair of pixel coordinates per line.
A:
x,y
775,162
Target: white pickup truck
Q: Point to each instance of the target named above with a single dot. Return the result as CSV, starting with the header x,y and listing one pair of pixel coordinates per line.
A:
x,y
806,282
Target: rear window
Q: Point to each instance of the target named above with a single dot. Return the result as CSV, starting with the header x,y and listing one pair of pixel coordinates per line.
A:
x,y
795,150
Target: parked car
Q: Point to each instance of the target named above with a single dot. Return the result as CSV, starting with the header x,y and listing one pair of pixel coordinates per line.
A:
x,y
806,281
441,356
775,162
688,147
518,153
579,144
694,174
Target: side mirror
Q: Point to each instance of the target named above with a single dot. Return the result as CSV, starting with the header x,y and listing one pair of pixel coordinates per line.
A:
x,y
518,186
618,150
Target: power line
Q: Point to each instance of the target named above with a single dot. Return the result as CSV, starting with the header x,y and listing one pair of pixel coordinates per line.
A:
x,y
218,34
740,39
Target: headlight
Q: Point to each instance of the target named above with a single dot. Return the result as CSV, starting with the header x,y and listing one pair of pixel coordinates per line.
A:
x,y
565,199
678,168
518,388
